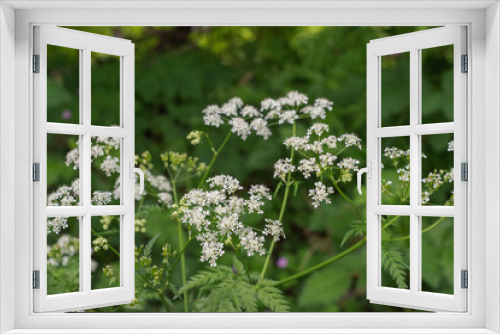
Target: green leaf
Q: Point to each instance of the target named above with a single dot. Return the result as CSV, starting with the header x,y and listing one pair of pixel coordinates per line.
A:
x,y
357,228
278,187
393,261
272,297
207,277
324,288
149,245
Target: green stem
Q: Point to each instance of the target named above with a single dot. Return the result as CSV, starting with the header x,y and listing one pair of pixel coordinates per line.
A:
x,y
348,200
240,257
183,264
335,258
283,207
423,231
164,302
107,243
181,247
216,154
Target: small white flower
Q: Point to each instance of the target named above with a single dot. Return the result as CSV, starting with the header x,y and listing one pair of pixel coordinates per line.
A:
x,y
240,127
349,163
308,166
295,98
323,103
260,127
101,197
97,151
326,160
269,104
230,108
274,229
318,129
330,141
195,137
350,139
211,116
316,147
250,111
56,224
110,165
320,194
73,158
211,249
393,152
226,182
288,116
449,176
251,242
434,179
314,112
282,167
298,143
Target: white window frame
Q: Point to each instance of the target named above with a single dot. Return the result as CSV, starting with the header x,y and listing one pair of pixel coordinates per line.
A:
x,y
85,44
16,21
414,43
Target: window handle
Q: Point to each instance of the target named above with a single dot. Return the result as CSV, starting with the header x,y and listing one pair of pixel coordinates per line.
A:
x,y
368,171
139,171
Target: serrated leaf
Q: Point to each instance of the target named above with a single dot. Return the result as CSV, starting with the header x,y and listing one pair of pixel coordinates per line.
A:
x,y
272,297
393,261
207,277
278,187
357,228
149,245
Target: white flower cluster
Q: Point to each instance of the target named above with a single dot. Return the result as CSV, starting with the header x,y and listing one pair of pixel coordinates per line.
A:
x,y
394,153
274,228
66,247
243,119
65,195
216,216
101,197
320,194
56,224
434,179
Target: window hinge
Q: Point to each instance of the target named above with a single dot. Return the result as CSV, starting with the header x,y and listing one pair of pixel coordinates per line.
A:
x,y
464,172
36,279
36,63
36,172
465,64
465,279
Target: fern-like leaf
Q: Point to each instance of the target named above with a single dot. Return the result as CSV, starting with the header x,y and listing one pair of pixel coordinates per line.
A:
x,y
207,277
357,228
272,297
149,245
394,262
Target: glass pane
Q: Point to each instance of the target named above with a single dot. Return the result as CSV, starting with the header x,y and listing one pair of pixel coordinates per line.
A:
x,y
105,90
63,170
63,257
63,84
395,89
437,254
105,152
105,263
437,169
437,84
395,256
395,172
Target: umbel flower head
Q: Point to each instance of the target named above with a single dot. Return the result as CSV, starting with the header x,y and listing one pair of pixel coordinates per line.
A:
x,y
246,119
319,152
216,215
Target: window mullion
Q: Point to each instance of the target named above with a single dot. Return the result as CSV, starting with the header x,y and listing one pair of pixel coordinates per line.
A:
x,y
85,185
415,155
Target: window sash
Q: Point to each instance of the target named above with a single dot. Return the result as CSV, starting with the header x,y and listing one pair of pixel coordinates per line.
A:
x,y
85,43
413,43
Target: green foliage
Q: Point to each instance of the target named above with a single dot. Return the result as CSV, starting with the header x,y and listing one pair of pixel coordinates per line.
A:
x,y
223,290
357,229
394,262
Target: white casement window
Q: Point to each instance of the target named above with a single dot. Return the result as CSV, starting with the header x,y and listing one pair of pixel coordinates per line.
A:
x,y
408,135
76,206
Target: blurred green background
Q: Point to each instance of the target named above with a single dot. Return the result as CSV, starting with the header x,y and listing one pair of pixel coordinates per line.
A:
x,y
181,70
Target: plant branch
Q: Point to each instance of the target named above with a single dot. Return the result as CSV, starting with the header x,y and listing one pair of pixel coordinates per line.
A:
x,y
216,154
